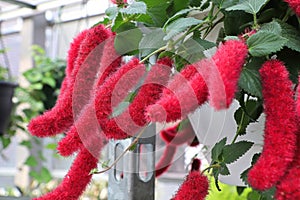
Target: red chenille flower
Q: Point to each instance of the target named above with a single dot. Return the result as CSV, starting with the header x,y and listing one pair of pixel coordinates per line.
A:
x,y
130,121
280,127
195,186
225,71
60,117
75,182
177,106
118,2
107,96
295,5
289,185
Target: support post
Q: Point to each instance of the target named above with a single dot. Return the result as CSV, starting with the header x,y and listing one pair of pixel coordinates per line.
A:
x,y
133,177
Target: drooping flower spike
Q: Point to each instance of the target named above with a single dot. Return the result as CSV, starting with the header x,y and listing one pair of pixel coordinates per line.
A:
x,y
133,119
60,117
177,105
107,96
195,186
225,72
280,127
77,179
295,5
289,186
173,137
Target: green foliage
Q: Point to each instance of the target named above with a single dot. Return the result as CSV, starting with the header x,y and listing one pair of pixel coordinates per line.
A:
x,y
249,6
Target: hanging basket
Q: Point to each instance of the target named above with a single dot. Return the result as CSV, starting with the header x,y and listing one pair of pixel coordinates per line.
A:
x,y
6,94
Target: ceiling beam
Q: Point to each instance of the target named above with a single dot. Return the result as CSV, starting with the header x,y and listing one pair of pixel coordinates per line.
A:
x,y
20,3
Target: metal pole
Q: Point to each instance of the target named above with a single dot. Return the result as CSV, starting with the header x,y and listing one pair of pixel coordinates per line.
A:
x,y
133,177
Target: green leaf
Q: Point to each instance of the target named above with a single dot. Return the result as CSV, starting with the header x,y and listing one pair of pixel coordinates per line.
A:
x,y
253,195
133,147
31,161
233,152
239,18
247,114
135,8
93,171
249,6
112,12
264,43
180,25
120,108
5,142
152,41
224,170
45,175
240,190
191,51
26,143
216,172
225,3
250,80
158,14
204,43
217,149
154,3
49,81
177,15
180,5
51,146
33,75
291,34
273,27
127,40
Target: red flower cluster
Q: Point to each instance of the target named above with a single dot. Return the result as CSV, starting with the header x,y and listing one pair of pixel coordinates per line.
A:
x,y
295,5
289,185
225,71
217,77
75,182
60,117
133,119
173,137
194,187
280,127
178,103
119,2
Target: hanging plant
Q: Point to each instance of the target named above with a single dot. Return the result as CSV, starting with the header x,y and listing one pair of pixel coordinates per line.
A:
x,y
223,53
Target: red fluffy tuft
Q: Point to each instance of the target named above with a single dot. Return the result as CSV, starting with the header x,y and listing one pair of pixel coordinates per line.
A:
x,y
75,182
280,127
295,5
194,187
225,72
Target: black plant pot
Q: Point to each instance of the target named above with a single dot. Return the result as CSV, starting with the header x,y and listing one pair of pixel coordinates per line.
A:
x,y
6,94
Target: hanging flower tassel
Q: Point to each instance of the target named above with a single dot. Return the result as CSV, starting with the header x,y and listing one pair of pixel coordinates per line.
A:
x,y
280,127
75,182
133,118
107,96
177,105
195,186
60,117
295,5
173,137
289,185
225,71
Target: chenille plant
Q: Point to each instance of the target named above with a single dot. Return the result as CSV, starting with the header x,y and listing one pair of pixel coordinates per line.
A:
x,y
254,59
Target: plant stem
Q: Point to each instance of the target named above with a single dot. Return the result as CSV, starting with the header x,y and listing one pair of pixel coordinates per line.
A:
x,y
154,52
211,167
124,152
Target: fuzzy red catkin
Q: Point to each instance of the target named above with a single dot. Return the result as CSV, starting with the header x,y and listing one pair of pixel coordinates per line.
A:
x,y
289,185
177,106
133,119
225,72
280,127
75,182
110,62
295,5
60,117
99,109
195,186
